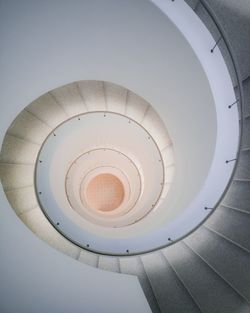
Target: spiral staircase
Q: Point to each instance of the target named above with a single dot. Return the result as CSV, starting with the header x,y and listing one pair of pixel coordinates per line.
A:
x,y
206,271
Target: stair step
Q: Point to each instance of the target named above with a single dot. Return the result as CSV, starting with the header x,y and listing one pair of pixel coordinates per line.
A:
x,y
226,238
235,209
192,3
232,224
243,167
238,195
223,255
16,150
116,98
154,125
206,19
92,93
88,258
136,107
70,99
109,263
236,29
22,199
167,288
48,110
246,92
28,127
134,266
203,282
246,132
168,155
39,224
15,176
237,96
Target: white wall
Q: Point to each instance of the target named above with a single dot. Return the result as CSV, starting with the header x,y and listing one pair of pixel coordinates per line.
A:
x,y
46,44
37,278
34,277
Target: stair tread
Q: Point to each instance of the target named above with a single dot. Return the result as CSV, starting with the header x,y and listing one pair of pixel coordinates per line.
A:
x,y
236,28
238,195
47,110
22,199
28,127
223,255
116,97
136,107
232,224
246,132
192,3
209,23
204,284
16,176
243,166
16,150
109,263
246,92
70,99
39,224
167,287
92,93
88,258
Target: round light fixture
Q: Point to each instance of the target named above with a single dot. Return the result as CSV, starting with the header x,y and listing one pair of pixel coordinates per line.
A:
x,y
105,192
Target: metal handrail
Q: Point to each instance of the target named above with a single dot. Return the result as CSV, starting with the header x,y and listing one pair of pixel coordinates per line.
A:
x,y
240,101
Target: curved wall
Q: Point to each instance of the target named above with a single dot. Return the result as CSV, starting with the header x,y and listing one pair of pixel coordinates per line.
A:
x,y
157,69
39,37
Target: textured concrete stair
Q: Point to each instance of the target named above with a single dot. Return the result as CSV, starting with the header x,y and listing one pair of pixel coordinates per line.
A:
x,y
70,99
93,95
27,133
167,287
234,18
48,110
20,151
116,98
206,19
204,283
15,176
22,199
232,224
238,196
109,263
24,123
246,91
192,3
39,224
222,254
246,132
88,258
243,167
136,107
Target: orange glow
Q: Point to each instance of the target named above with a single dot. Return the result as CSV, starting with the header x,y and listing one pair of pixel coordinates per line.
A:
x,y
105,192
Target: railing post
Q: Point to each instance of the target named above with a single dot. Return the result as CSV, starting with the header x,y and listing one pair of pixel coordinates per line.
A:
x,y
227,161
212,50
233,103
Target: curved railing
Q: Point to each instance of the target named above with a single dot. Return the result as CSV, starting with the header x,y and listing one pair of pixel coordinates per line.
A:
x,y
220,40
236,80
